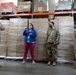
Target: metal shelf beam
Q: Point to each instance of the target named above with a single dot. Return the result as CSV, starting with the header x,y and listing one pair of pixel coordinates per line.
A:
x,y
39,14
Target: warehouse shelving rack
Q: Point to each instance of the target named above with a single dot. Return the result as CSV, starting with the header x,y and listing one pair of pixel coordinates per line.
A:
x,y
38,14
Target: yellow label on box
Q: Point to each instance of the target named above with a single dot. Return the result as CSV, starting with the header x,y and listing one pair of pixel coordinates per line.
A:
x,y
5,10
26,7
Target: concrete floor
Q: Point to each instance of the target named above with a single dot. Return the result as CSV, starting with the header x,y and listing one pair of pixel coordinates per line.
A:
x,y
11,67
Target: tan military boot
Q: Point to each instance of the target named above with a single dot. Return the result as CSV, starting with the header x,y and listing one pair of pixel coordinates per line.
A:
x,y
49,63
54,63
75,67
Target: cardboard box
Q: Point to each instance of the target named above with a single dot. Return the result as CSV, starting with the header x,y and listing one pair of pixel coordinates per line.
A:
x,y
4,38
24,6
66,46
41,26
3,48
40,6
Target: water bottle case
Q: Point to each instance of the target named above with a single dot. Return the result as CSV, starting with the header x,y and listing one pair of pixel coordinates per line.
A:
x,y
28,39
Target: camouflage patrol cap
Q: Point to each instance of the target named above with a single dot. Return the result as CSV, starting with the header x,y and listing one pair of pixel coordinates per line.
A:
x,y
51,23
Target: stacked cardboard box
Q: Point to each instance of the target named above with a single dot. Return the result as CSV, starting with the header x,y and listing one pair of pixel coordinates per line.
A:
x,y
4,37
3,48
66,46
8,8
75,43
11,52
41,26
74,5
12,38
24,6
15,37
20,44
40,6
64,5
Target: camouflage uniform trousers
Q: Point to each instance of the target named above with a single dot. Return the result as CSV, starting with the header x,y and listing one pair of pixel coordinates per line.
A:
x,y
52,52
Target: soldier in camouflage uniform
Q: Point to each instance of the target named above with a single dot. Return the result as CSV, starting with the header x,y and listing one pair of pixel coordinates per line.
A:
x,y
53,37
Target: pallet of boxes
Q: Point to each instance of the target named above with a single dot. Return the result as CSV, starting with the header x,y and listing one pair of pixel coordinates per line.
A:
x,y
75,48
66,46
40,6
4,38
23,7
15,37
41,25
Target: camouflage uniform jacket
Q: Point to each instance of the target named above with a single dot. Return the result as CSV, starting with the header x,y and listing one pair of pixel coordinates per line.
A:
x,y
53,36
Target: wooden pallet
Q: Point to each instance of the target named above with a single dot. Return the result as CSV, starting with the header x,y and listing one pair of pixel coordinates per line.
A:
x,y
23,12
41,12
